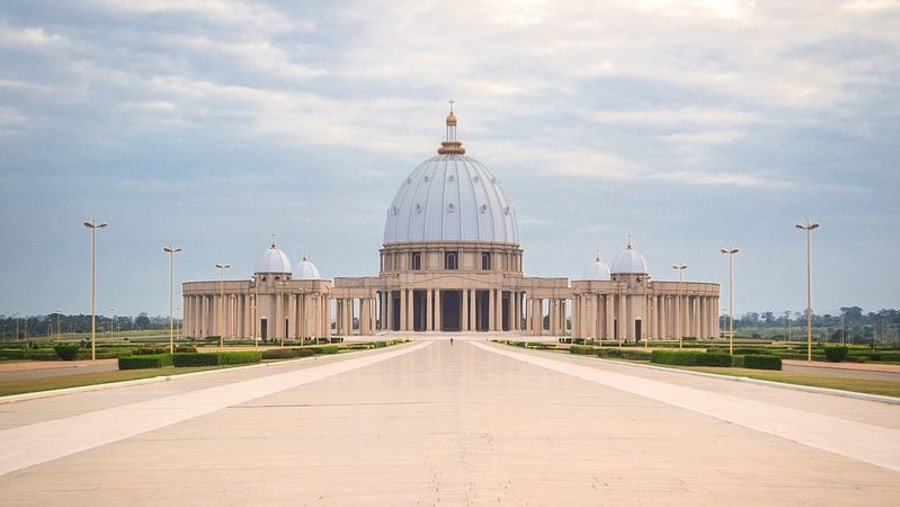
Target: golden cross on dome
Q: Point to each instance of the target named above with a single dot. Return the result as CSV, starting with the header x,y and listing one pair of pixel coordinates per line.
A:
x,y
628,244
273,239
598,255
451,102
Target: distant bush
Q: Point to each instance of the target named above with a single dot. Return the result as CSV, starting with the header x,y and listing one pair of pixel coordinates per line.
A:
x,y
690,358
184,349
145,362
762,362
326,349
835,354
67,352
150,351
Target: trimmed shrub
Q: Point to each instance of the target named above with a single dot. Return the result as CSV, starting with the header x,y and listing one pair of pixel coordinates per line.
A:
x,y
145,362
150,351
582,350
278,354
835,354
737,361
630,354
41,355
248,357
690,358
195,359
326,349
67,352
304,352
12,354
183,349
216,359
762,362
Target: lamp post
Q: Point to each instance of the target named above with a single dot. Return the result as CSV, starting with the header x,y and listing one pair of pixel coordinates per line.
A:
x,y
221,266
730,251
680,268
93,226
169,249
808,227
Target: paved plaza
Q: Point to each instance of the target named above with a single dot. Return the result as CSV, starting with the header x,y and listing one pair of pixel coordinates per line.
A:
x,y
430,423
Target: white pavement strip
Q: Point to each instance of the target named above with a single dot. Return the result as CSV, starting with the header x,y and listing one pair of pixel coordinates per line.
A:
x,y
864,442
30,445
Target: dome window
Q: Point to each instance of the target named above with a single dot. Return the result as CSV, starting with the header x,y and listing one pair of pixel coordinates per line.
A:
x,y
451,208
483,209
427,179
450,260
506,210
486,261
451,178
475,178
409,180
416,261
396,210
418,208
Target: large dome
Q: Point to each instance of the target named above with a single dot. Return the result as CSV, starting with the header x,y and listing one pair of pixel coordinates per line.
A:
x,y
450,197
273,260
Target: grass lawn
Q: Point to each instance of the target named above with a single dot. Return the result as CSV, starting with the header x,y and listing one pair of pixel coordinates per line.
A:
x,y
859,385
29,385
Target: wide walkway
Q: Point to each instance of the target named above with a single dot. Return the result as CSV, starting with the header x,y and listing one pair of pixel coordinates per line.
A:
x,y
430,423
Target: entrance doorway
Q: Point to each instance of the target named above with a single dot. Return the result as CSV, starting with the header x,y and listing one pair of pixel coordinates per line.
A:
x,y
450,310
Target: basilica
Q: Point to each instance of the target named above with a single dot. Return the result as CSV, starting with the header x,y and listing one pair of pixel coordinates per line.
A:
x,y
451,261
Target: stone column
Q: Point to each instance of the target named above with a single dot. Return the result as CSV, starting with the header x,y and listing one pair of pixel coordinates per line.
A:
x,y
429,317
464,310
438,318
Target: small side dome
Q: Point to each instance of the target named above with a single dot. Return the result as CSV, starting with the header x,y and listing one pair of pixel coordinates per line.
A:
x,y
306,270
273,260
597,270
629,262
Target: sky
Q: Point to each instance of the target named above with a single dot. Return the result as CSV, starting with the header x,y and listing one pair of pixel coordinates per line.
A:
x,y
212,124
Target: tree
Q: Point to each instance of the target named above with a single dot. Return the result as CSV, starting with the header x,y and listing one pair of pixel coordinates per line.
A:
x,y
142,321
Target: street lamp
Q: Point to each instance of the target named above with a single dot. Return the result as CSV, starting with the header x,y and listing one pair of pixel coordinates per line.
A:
x,y
808,227
221,266
680,268
730,251
93,226
171,251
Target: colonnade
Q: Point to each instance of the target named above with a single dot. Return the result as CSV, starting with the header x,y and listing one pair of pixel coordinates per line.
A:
x,y
429,309
289,314
646,316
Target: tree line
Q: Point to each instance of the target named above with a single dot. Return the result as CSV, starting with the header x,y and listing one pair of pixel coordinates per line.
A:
x,y
851,325
54,324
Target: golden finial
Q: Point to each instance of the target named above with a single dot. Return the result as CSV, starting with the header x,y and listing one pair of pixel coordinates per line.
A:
x,y
451,145
273,241
628,243
303,255
598,255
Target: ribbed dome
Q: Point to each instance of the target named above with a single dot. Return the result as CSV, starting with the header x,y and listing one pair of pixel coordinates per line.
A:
x,y
273,260
629,262
597,270
306,270
451,197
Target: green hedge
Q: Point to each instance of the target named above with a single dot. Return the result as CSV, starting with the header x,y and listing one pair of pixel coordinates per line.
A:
x,y
12,353
145,361
326,349
582,350
836,354
761,362
690,358
67,352
278,354
216,358
630,354
303,352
